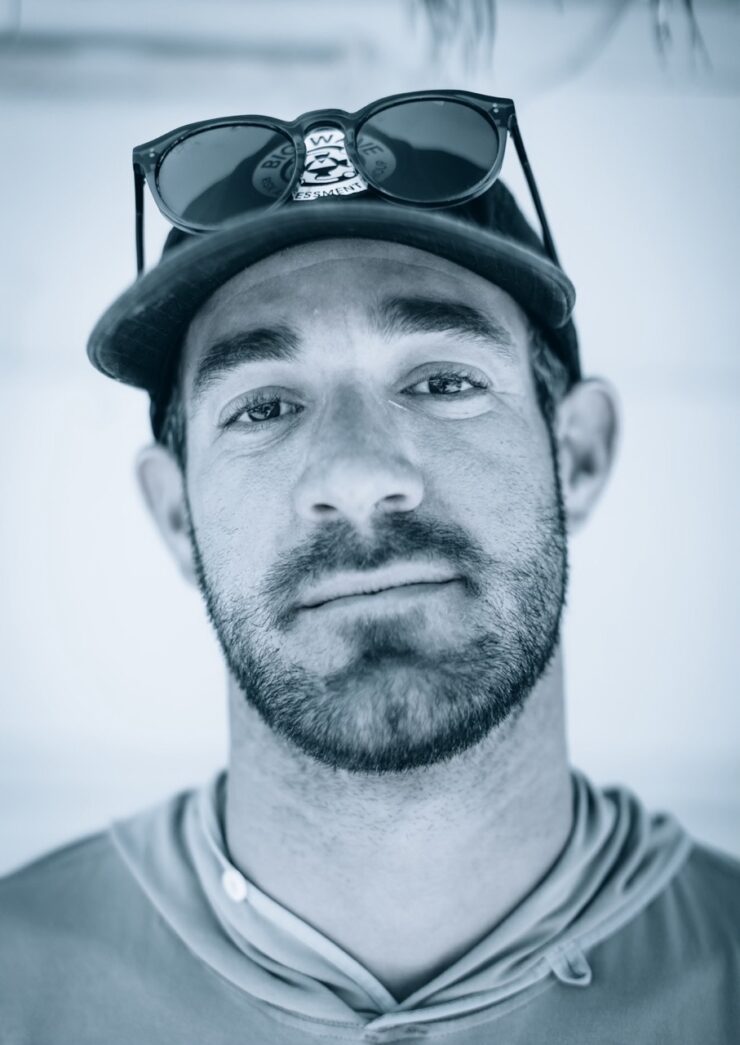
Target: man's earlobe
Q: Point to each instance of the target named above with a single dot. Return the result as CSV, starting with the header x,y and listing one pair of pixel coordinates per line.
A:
x,y
163,485
586,431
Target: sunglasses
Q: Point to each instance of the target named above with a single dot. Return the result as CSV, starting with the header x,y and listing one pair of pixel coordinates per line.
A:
x,y
429,149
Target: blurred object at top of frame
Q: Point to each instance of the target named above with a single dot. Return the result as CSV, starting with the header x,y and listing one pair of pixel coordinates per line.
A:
x,y
142,45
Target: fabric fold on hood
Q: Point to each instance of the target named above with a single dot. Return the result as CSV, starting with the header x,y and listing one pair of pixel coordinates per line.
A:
x,y
617,858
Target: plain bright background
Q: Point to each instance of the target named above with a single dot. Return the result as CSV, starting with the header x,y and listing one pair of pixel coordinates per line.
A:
x,y
112,685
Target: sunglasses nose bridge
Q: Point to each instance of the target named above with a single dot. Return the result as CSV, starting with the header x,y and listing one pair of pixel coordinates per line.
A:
x,y
320,117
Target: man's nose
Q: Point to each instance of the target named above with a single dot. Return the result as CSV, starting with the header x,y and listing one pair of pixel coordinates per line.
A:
x,y
358,465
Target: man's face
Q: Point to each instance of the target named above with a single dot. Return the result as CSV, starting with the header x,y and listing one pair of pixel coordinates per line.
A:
x,y
362,416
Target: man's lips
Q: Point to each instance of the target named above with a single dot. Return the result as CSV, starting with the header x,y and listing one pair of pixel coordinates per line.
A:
x,y
425,587
406,579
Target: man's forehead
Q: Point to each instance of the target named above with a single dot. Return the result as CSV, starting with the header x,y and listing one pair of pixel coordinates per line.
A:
x,y
349,273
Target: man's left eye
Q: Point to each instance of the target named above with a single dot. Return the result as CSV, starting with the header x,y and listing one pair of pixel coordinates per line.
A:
x,y
448,383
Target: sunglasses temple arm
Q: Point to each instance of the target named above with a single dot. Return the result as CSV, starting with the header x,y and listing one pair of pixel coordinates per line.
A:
x,y
532,184
139,205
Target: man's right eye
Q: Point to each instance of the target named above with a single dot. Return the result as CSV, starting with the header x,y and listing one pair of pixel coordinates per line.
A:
x,y
257,409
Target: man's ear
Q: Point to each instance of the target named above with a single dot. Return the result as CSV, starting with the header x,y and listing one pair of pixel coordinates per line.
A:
x,y
163,485
586,432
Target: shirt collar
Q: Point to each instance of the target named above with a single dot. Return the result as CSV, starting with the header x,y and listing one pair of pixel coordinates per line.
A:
x,y
616,859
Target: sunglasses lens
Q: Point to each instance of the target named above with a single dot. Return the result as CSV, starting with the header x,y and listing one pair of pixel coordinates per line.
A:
x,y
439,149
223,172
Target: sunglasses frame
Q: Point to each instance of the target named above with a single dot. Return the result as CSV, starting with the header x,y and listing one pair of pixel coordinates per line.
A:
x,y
500,112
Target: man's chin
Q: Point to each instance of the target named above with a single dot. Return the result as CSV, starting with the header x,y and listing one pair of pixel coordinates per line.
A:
x,y
388,711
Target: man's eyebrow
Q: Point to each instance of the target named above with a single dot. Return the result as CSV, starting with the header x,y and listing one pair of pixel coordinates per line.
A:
x,y
258,344
421,315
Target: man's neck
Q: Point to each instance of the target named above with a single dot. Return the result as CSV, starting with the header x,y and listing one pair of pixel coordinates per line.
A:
x,y
405,872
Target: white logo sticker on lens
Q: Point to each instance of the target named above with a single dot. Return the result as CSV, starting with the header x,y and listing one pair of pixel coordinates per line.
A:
x,y
328,170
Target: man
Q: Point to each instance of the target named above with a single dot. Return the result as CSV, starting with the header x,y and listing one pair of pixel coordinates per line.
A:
x,y
372,443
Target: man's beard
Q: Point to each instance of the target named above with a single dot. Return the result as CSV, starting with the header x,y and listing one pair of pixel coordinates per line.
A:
x,y
397,705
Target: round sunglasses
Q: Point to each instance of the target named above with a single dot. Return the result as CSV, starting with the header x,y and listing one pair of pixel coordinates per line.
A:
x,y
425,149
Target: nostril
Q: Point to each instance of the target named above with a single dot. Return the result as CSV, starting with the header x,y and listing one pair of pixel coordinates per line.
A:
x,y
323,509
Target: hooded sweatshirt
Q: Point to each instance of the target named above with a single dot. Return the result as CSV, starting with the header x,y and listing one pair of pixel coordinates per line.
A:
x,y
147,932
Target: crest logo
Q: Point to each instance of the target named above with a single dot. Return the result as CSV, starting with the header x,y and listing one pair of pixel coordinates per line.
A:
x,y
328,170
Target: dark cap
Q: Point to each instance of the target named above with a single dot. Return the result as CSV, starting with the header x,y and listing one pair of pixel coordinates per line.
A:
x,y
139,338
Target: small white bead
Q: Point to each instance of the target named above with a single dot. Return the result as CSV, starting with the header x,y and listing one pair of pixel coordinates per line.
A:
x,y
234,884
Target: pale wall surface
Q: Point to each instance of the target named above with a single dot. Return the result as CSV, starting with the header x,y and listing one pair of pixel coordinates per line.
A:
x,y
112,687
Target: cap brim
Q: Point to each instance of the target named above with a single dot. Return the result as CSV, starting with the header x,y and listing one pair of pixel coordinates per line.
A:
x,y
137,339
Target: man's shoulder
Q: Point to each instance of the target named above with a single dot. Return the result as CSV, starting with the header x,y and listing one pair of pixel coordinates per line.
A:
x,y
714,866
64,864
712,872
693,922
87,876
85,956
69,855
61,893
707,889
61,918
